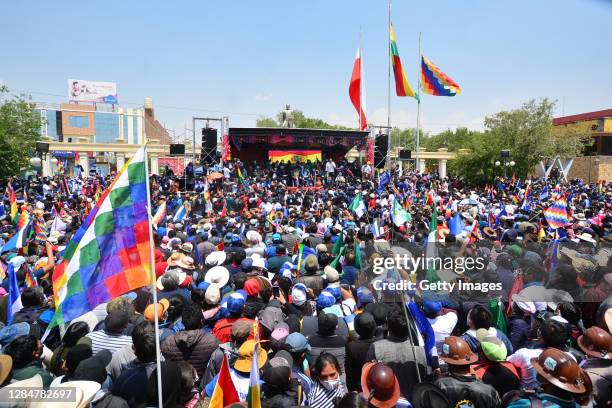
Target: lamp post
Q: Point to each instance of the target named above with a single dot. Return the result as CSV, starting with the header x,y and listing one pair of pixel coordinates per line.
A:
x,y
505,161
35,161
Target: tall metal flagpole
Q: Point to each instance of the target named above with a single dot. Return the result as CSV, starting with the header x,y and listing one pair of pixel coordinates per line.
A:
x,y
418,136
360,79
389,94
153,287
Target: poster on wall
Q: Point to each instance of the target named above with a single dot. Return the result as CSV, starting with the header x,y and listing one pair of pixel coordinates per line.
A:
x,y
294,156
80,90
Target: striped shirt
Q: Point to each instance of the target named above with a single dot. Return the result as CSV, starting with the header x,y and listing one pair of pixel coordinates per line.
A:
x,y
102,340
321,397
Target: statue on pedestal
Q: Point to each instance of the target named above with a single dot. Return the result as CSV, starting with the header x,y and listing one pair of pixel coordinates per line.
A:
x,y
287,117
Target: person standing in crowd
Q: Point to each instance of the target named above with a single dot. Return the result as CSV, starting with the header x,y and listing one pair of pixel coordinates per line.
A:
x,y
327,388
561,378
461,386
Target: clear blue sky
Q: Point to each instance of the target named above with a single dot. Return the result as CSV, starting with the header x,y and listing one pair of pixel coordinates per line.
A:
x,y
249,58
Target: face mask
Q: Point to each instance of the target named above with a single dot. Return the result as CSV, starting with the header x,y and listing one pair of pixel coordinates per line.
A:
x,y
331,384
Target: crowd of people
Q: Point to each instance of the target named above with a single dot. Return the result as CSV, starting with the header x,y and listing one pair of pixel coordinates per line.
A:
x,y
303,260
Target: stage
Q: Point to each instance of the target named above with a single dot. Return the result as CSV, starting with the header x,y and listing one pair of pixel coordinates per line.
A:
x,y
254,144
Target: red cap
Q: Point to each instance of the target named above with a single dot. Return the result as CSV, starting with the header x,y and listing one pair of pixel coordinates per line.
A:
x,y
251,287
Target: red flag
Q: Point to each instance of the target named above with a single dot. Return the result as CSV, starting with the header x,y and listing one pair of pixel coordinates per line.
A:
x,y
474,236
296,247
355,91
516,288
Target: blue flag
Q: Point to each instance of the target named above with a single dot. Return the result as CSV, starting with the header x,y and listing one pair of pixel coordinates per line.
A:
x,y
543,194
456,225
14,295
383,180
501,214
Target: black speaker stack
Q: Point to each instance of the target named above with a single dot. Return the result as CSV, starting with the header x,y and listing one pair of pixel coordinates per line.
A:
x,y
381,145
209,146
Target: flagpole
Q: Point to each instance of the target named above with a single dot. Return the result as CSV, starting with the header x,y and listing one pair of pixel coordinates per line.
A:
x,y
418,107
153,287
389,94
360,81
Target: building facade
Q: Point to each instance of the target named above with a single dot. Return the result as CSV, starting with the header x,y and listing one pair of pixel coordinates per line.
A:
x,y
89,137
596,163
598,123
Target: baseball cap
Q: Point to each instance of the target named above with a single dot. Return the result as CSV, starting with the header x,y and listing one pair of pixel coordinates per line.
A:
x,y
298,294
325,299
241,329
364,296
235,303
251,287
431,306
296,343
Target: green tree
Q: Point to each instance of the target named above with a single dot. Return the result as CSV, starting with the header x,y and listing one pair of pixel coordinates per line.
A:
x,y
300,120
19,130
453,140
404,138
266,122
527,132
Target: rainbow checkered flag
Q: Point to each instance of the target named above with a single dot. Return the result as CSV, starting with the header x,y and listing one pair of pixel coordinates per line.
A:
x,y
110,253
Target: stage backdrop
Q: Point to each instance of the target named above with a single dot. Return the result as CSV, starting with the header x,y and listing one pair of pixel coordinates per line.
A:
x,y
294,156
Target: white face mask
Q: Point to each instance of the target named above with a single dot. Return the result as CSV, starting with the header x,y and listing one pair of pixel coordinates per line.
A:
x,y
330,384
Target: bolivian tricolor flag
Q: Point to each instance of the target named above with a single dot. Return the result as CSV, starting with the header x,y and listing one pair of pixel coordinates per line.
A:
x,y
402,87
225,392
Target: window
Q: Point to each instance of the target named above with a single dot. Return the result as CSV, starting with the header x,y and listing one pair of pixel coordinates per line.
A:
x,y
78,121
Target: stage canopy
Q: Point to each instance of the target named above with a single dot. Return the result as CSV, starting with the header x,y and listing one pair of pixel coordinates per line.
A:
x,y
249,144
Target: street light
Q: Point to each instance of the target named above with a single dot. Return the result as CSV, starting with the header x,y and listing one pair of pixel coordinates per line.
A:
x,y
497,163
35,161
512,163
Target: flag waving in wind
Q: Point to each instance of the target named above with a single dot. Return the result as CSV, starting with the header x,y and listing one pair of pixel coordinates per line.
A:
x,y
110,253
436,82
355,91
402,87
357,206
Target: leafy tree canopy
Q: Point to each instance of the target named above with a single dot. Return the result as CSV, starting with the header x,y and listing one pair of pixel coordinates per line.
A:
x,y
19,130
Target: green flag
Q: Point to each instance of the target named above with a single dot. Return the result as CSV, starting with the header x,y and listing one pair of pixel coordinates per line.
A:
x,y
400,215
338,245
336,261
497,316
432,251
357,206
357,256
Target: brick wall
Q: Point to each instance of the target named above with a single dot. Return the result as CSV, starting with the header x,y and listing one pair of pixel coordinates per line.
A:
x,y
600,168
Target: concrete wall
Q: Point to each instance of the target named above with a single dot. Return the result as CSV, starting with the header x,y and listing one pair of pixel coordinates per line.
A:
x,y
600,168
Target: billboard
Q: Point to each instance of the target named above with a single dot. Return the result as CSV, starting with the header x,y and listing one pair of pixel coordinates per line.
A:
x,y
92,91
294,155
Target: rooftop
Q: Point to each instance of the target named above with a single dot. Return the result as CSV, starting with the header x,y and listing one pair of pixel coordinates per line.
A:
x,y
564,120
